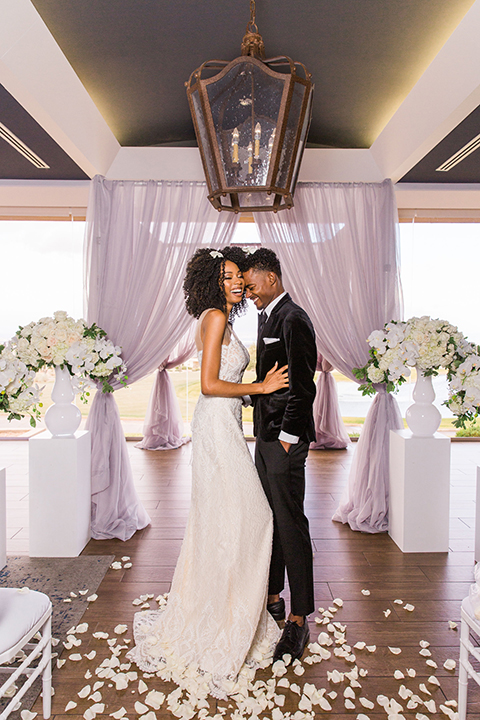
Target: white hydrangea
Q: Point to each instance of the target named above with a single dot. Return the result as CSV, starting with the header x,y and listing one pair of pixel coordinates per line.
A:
x,y
28,397
376,375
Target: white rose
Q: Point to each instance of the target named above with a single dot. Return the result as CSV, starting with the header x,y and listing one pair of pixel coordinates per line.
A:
x,y
27,330
41,346
47,329
61,334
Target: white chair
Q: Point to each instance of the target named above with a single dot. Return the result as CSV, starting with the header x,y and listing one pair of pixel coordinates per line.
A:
x,y
469,624
23,613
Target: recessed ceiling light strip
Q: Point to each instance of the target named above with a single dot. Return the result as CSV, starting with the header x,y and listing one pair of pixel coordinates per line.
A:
x,y
23,149
460,155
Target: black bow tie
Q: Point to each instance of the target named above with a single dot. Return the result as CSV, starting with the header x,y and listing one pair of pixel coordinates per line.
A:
x,y
262,319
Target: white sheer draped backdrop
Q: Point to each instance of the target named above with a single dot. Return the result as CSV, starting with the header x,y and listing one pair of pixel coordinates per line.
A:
x,y
339,251
163,428
329,427
139,238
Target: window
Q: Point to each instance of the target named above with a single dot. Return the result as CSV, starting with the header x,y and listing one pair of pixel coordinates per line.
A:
x,y
43,272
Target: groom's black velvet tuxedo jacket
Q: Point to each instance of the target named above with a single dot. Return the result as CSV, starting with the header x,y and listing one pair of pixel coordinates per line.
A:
x,y
289,409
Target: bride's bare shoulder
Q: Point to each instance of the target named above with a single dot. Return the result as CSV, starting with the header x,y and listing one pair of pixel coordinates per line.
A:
x,y
211,321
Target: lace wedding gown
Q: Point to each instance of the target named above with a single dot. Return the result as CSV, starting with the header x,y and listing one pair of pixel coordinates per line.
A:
x,y
215,625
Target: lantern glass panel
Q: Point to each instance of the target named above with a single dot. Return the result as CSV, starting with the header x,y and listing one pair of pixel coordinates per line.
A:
x,y
291,131
245,104
255,199
303,138
212,176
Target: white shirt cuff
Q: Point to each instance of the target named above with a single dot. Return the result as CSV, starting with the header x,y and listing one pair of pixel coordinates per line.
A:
x,y
286,437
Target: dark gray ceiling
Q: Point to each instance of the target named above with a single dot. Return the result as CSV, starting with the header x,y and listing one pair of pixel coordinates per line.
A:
x,y
133,56
14,166
467,171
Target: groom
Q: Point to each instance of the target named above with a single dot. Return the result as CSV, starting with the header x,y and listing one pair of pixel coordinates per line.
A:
x,y
284,427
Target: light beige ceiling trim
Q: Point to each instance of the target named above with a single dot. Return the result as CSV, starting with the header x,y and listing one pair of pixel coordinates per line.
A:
x,y
36,72
438,215
445,94
339,165
438,196
318,165
39,198
60,214
44,195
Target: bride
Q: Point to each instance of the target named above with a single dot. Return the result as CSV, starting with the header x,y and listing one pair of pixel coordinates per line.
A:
x,y
215,629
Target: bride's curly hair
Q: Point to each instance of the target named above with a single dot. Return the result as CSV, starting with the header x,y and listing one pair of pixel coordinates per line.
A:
x,y
203,283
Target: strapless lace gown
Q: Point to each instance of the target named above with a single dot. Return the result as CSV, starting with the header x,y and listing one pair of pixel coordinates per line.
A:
x,y
215,626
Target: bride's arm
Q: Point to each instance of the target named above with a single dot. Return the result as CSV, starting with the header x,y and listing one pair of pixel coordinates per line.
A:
x,y
212,331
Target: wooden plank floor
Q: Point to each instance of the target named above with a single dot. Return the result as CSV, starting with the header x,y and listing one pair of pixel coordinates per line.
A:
x,y
346,563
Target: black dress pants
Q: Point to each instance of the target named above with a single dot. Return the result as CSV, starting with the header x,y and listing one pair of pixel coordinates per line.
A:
x,y
283,478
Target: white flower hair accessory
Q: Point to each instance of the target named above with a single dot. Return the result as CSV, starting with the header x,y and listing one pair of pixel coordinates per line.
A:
x,y
216,254
249,250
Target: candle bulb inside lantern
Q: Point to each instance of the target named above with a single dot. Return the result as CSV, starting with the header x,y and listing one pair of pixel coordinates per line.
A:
x,y
271,141
250,157
235,138
258,135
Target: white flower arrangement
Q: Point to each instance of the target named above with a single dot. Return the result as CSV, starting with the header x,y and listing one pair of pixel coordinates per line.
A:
x,y
428,345
18,394
464,390
55,341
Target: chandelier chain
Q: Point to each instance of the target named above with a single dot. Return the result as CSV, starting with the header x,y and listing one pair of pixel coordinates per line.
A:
x,y
252,25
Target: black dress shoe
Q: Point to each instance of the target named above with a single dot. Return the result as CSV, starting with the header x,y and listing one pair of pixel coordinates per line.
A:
x,y
293,641
277,609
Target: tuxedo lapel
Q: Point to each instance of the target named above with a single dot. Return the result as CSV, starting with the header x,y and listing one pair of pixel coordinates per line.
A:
x,y
286,298
264,330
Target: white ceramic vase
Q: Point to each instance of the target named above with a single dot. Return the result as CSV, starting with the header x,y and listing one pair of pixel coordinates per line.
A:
x,y
423,418
63,417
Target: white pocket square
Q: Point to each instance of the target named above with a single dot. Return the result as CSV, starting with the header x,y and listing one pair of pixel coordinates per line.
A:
x,y
268,340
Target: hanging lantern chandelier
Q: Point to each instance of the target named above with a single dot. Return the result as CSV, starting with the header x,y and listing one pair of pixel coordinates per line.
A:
x,y
251,121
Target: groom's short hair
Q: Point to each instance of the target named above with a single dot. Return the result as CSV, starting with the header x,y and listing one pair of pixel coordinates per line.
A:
x,y
262,259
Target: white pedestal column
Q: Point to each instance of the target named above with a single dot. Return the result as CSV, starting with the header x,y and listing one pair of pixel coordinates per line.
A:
x,y
3,518
419,504
60,495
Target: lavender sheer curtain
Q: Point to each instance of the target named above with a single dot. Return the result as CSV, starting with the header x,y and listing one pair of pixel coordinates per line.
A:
x,y
329,427
339,250
163,429
139,237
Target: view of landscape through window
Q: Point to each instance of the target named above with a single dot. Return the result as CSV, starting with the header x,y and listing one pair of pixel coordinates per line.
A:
x,y
49,277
